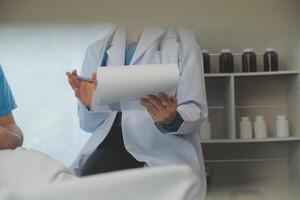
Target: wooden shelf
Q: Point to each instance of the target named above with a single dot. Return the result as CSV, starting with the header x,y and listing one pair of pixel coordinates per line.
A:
x,y
270,139
259,190
245,160
247,107
260,106
242,74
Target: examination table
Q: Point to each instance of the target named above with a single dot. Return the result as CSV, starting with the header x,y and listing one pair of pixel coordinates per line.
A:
x,y
30,175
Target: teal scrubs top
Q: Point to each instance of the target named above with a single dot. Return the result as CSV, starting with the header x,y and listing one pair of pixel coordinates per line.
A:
x,y
7,101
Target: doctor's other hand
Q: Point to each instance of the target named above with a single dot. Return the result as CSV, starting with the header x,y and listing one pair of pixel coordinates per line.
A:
x,y
162,108
83,90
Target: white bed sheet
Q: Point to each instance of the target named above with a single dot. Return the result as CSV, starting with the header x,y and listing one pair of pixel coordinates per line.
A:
x,y
30,175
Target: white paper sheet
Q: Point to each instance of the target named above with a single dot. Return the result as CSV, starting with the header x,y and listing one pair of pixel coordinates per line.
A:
x,y
120,83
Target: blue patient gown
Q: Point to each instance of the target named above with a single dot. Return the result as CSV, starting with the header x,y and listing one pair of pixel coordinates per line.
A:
x,y
7,101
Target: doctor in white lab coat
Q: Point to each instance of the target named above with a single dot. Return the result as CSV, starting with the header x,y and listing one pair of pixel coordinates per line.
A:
x,y
143,132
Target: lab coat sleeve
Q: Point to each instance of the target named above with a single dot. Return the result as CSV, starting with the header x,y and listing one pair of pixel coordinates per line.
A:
x,y
91,119
174,126
191,93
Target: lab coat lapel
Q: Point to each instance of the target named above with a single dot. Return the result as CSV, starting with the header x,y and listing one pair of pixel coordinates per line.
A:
x,y
116,52
148,37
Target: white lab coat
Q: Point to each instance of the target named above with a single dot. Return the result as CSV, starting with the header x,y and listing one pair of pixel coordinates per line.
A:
x,y
141,137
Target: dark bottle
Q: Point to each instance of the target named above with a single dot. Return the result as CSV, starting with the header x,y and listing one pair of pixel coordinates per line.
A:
x,y
271,60
249,61
206,61
226,61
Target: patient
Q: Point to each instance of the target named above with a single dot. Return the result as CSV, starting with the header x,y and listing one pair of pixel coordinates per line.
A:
x,y
11,136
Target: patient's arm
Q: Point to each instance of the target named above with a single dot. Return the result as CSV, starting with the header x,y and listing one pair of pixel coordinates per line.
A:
x,y
10,134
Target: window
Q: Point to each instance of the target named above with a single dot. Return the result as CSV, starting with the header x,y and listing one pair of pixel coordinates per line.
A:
x,y
35,59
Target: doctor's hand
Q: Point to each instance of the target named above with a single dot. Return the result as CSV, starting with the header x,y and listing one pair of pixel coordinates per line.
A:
x,y
83,90
162,108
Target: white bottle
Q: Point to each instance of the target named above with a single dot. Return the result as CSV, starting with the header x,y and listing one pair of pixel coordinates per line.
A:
x,y
260,128
245,128
205,130
282,126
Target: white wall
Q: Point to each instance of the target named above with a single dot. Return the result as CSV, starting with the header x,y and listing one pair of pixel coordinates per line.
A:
x,y
234,24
